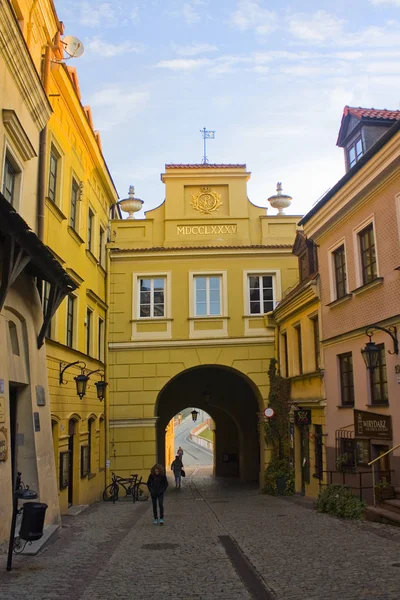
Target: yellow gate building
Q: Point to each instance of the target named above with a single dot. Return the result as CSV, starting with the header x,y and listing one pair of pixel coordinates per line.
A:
x,y
191,286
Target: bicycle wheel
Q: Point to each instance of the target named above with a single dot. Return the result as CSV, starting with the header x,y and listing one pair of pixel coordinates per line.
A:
x,y
111,492
142,492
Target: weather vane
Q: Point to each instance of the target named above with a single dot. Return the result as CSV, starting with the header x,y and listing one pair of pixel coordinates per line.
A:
x,y
207,135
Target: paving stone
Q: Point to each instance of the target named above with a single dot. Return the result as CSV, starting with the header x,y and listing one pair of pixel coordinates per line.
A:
x,y
114,551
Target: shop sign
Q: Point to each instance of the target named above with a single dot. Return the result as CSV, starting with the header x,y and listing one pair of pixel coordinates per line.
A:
x,y
3,444
302,416
372,425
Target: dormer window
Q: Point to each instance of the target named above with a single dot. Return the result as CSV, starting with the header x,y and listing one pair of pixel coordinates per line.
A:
x,y
355,152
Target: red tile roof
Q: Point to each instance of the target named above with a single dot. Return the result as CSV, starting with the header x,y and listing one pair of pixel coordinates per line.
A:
x,y
371,113
205,166
168,248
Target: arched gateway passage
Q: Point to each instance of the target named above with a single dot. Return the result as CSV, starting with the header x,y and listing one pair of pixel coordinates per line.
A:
x,y
233,402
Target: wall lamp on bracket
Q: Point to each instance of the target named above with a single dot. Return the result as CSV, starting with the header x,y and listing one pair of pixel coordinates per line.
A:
x,y
100,385
371,352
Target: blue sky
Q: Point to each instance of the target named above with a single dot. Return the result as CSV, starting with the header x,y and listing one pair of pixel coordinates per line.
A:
x,y
270,77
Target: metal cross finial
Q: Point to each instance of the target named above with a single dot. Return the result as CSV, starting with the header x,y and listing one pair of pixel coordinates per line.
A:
x,y
207,135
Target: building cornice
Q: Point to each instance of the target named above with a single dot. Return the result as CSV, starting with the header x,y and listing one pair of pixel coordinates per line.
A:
x,y
156,344
16,55
121,254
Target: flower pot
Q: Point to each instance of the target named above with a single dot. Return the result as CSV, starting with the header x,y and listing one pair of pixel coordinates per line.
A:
x,y
281,482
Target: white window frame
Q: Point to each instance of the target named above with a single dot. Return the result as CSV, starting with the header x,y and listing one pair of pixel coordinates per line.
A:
x,y
208,302
223,294
276,286
261,301
11,156
60,173
136,295
74,322
357,252
91,241
331,268
101,247
100,337
89,322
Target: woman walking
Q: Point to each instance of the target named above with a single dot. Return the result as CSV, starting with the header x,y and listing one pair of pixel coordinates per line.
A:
x,y
177,467
157,484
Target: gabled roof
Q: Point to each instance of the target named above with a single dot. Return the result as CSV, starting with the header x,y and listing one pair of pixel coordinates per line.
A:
x,y
367,115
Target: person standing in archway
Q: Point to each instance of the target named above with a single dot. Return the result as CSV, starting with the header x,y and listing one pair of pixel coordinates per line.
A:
x,y
177,467
157,484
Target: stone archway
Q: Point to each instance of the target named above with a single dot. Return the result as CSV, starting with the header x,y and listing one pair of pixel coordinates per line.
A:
x,y
234,403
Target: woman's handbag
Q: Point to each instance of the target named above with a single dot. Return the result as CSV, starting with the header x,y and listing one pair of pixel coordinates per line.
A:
x,y
183,473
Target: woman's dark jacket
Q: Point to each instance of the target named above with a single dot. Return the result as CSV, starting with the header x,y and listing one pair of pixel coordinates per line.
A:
x,y
157,484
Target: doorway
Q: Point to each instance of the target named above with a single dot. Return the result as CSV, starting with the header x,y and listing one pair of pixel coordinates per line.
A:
x,y
382,466
304,456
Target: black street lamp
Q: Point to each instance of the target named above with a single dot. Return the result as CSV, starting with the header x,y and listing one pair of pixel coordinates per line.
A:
x,y
81,383
371,352
101,389
194,414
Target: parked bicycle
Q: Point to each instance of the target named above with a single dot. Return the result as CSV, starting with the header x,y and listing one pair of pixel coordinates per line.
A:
x,y
126,486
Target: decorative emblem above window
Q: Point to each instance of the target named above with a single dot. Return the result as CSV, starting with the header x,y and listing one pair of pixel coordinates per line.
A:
x,y
206,201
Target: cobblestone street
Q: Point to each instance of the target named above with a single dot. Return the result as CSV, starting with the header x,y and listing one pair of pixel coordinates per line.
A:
x,y
221,540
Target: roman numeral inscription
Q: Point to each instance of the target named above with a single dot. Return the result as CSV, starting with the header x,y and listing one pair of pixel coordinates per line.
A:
x,y
206,229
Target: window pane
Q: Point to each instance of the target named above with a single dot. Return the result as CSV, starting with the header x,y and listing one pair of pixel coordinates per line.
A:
x,y
158,284
145,310
267,281
268,294
255,308
145,284
352,156
201,309
201,283
359,149
144,297
268,306
254,282
158,297
214,283
214,296
215,308
159,310
201,296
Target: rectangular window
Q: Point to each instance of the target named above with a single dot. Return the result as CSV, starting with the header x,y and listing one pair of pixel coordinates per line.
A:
x,y
88,330
355,152
9,181
53,169
299,349
315,324
346,379
70,320
85,460
367,254
100,350
207,296
152,297
101,246
339,266
261,294
90,230
378,379
74,203
285,353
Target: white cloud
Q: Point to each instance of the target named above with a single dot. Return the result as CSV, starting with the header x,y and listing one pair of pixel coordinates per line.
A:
x,y
194,49
115,105
105,49
94,15
183,64
319,27
249,14
190,14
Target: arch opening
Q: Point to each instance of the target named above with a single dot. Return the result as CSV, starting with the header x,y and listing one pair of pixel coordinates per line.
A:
x,y
232,401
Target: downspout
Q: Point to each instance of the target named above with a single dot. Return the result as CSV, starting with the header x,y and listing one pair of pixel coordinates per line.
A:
x,y
43,151
106,371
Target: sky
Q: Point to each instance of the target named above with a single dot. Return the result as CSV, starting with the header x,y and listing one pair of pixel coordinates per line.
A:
x,y
270,77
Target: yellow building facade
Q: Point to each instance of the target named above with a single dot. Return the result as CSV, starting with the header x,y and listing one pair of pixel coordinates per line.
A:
x,y
297,317
191,286
79,197
76,195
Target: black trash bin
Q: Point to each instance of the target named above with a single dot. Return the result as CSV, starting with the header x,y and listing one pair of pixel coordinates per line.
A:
x,y
33,515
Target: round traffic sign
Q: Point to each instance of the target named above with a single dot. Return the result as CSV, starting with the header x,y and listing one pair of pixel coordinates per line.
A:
x,y
269,412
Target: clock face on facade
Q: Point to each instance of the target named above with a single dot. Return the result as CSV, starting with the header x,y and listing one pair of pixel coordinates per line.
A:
x,y
206,201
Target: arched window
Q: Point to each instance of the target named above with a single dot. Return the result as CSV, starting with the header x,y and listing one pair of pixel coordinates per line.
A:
x,y
13,337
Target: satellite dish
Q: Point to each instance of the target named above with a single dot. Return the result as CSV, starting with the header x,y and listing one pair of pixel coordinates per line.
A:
x,y
72,46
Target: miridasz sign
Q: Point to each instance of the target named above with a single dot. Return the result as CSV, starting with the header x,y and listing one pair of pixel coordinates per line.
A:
x,y
205,229
372,425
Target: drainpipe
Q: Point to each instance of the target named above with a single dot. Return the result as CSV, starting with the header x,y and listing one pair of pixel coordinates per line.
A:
x,y
43,151
106,371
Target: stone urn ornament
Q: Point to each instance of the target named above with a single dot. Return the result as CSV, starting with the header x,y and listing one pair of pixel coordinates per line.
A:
x,y
131,204
280,201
